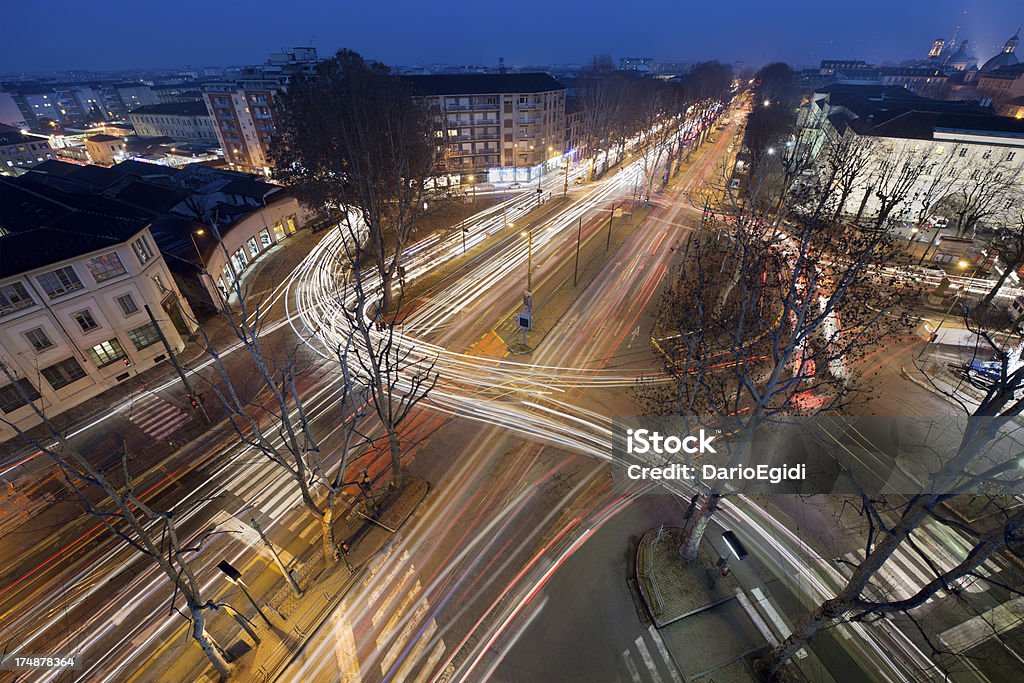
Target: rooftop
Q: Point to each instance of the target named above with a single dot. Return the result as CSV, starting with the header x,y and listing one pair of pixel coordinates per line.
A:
x,y
483,84
197,108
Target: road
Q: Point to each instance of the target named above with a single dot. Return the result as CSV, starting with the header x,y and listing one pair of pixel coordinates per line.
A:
x,y
521,484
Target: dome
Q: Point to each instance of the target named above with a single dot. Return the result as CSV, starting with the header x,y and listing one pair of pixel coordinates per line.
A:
x,y
1001,59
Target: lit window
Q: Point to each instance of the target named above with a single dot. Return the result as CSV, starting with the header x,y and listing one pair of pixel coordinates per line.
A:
x,y
105,267
142,250
105,353
60,281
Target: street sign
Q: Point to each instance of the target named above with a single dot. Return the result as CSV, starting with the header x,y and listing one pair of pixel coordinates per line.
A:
x,y
524,320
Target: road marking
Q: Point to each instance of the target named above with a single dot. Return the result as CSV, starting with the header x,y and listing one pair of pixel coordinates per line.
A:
x,y
741,597
428,668
776,618
669,662
633,673
648,660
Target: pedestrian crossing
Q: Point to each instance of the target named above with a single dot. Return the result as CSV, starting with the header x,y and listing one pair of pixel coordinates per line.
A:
x,y
155,416
405,646
647,660
906,571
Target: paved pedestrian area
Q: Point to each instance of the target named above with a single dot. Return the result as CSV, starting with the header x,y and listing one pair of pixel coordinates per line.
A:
x,y
707,630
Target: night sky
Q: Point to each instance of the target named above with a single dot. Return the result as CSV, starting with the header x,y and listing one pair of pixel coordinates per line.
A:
x,y
61,34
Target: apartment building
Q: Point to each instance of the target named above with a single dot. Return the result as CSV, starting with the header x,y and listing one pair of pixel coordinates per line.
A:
x,y
956,143
242,107
19,151
510,126
178,120
84,299
252,216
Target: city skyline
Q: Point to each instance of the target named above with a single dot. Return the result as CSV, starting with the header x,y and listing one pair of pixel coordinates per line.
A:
x,y
879,32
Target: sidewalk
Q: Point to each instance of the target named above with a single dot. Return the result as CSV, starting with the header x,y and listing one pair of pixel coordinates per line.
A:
x,y
295,620
708,631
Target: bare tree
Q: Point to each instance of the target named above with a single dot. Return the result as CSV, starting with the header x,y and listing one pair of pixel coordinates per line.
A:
x,y
1010,248
971,467
767,318
354,137
151,531
397,376
988,190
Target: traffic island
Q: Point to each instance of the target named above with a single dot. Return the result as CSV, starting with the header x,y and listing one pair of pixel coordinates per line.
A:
x,y
698,612
673,588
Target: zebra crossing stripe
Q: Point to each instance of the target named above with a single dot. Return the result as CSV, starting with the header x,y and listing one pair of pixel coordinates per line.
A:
x,y
345,647
666,657
633,673
399,642
391,596
432,660
648,660
417,651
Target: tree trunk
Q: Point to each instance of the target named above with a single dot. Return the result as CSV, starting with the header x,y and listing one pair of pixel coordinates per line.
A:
x,y
327,532
697,522
396,458
999,283
212,650
812,622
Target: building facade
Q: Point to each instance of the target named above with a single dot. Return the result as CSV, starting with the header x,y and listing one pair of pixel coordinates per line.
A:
x,y
511,126
242,107
73,312
178,120
954,145
243,121
19,151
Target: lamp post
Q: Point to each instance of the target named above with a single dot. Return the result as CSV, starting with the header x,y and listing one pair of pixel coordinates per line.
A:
x,y
962,264
528,234
235,577
910,240
472,181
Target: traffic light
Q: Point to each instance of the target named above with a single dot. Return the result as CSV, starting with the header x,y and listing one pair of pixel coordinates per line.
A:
x,y
193,401
345,549
127,363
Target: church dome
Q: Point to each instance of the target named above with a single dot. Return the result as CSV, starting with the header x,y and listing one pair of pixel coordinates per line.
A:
x,y
1006,57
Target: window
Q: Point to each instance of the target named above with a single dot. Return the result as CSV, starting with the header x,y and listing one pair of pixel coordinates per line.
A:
x,y
105,353
987,155
60,281
265,237
254,250
963,151
63,373
13,396
144,336
1010,156
142,250
38,339
14,297
105,267
127,304
159,283
85,320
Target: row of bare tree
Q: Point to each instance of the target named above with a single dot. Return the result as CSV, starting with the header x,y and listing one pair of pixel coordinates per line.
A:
x,y
778,298
351,139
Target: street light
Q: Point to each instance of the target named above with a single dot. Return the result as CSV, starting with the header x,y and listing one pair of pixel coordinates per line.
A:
x,y
528,234
235,577
192,235
472,181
